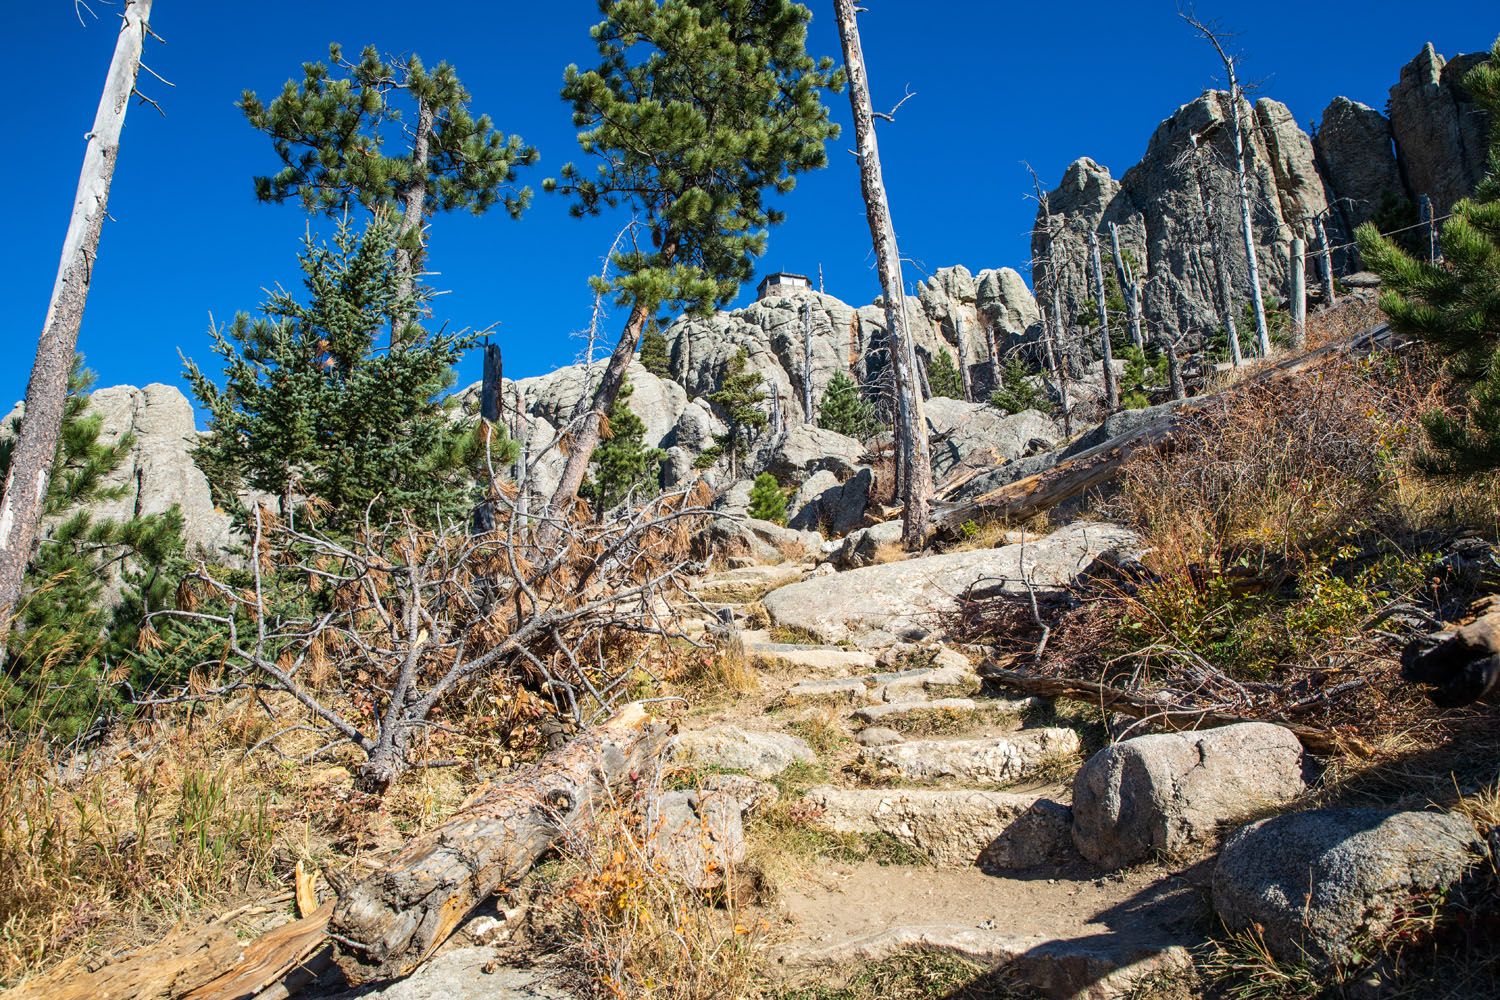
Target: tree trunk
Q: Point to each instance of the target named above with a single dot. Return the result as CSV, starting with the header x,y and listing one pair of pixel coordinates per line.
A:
x,y
1424,204
1174,365
25,490
911,421
1128,288
1062,362
414,203
807,387
1325,264
1111,386
1247,228
387,924
1216,249
1297,293
963,359
489,413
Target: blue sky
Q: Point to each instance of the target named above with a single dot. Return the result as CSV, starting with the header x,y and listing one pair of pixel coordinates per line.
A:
x,y
996,84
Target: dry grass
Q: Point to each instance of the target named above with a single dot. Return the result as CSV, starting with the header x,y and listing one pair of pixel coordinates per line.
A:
x,y
1351,317
907,977
721,670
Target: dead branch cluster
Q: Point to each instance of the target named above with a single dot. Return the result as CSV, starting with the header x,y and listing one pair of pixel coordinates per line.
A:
x,y
375,636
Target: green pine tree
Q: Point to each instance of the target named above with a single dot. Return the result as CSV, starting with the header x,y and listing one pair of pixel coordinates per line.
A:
x,y
1138,376
654,356
1017,391
88,586
943,377
1455,303
768,499
739,399
335,131
314,414
845,410
696,110
622,462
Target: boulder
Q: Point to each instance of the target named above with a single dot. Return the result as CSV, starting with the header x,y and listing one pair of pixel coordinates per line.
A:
x,y
807,449
697,836
730,748
1168,792
978,435
877,736
1319,885
861,547
836,508
751,794
880,605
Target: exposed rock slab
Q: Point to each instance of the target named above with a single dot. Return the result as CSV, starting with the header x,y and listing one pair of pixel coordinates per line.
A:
x,y
745,584
880,605
952,827
466,974
823,660
758,754
999,760
1167,792
1318,883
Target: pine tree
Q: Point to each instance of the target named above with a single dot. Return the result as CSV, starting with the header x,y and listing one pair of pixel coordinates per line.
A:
x,y
739,398
70,637
845,410
622,462
1454,304
332,132
696,109
768,499
943,378
654,357
314,414
1017,392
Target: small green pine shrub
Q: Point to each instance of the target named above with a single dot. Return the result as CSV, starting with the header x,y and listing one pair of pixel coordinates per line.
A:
x,y
768,499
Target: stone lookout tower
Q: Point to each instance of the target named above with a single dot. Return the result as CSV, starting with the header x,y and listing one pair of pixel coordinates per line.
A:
x,y
782,283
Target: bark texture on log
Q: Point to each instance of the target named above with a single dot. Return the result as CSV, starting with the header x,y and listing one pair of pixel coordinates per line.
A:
x,y
182,961
386,925
1140,704
25,488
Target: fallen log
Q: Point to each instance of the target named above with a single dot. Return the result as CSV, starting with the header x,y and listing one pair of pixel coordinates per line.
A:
x,y
182,961
1141,704
386,925
1025,498
279,955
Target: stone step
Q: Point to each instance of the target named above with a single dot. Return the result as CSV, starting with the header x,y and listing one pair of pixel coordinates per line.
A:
x,y
757,753
998,760
821,661
913,712
904,686
954,827
741,586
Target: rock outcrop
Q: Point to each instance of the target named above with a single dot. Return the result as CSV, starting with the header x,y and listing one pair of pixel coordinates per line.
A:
x,y
1440,132
1320,884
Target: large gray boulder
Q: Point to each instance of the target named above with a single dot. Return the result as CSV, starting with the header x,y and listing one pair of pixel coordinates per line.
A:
x,y
1319,884
807,448
1166,793
862,547
978,435
699,837
827,505
159,472
881,605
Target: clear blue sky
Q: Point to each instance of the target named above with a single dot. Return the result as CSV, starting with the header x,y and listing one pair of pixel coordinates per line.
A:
x,y
996,83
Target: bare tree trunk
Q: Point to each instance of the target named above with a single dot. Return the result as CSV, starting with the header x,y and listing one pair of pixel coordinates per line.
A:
x,y
490,410
1062,362
1241,169
963,359
1297,294
1216,247
1128,288
994,350
911,421
1174,365
25,489
1325,263
1111,387
807,386
1424,204
414,206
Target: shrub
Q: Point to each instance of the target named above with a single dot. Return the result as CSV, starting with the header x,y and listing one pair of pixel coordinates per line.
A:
x,y
768,499
845,410
1017,392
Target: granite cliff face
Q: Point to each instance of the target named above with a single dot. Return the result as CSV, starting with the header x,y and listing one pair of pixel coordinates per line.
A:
x,y
1359,163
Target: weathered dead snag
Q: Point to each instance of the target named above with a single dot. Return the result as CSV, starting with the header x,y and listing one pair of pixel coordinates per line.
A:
x,y
386,925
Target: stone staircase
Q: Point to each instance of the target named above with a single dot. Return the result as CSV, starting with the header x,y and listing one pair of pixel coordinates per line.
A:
x,y
976,783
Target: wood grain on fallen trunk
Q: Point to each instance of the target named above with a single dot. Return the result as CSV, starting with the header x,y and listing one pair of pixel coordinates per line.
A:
x,y
1140,704
386,925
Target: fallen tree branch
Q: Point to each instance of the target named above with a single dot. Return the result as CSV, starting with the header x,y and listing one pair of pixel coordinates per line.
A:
x,y
388,924
1140,703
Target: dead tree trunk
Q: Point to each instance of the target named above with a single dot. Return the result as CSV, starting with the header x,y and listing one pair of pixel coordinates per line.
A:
x,y
1128,288
490,409
1062,361
1242,184
911,422
25,490
1174,365
963,359
1216,250
1111,387
1429,227
386,925
807,386
1325,263
1297,293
